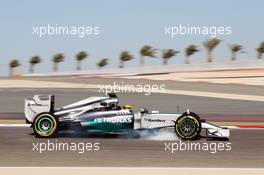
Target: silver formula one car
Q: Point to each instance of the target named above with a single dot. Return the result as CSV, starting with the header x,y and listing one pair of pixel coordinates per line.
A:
x,y
103,114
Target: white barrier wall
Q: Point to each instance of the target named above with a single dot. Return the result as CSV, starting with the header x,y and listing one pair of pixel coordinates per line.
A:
x,y
255,64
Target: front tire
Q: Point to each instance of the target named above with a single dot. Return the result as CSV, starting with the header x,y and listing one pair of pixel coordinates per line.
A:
x,y
188,126
45,125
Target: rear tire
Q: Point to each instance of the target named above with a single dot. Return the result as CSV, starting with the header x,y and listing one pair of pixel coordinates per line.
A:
x,y
188,126
45,125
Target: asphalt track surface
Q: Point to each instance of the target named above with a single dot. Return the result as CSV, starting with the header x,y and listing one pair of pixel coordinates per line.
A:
x,y
12,100
17,150
198,86
247,145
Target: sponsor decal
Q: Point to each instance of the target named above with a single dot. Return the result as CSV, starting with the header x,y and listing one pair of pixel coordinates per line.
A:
x,y
154,120
113,120
122,112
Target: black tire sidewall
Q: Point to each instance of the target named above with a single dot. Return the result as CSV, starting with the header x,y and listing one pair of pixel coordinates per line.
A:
x,y
38,118
199,128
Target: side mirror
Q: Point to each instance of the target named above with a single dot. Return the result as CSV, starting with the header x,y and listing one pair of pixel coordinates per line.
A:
x,y
144,111
103,104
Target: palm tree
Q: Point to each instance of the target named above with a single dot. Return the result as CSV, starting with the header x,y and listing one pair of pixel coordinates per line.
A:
x,y
235,48
146,51
190,50
210,45
167,54
103,62
260,50
34,60
13,64
79,57
56,60
125,56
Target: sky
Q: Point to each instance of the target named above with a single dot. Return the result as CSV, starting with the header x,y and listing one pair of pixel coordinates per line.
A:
x,y
124,25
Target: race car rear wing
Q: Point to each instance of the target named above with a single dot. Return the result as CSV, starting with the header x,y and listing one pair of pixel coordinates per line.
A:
x,y
38,104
